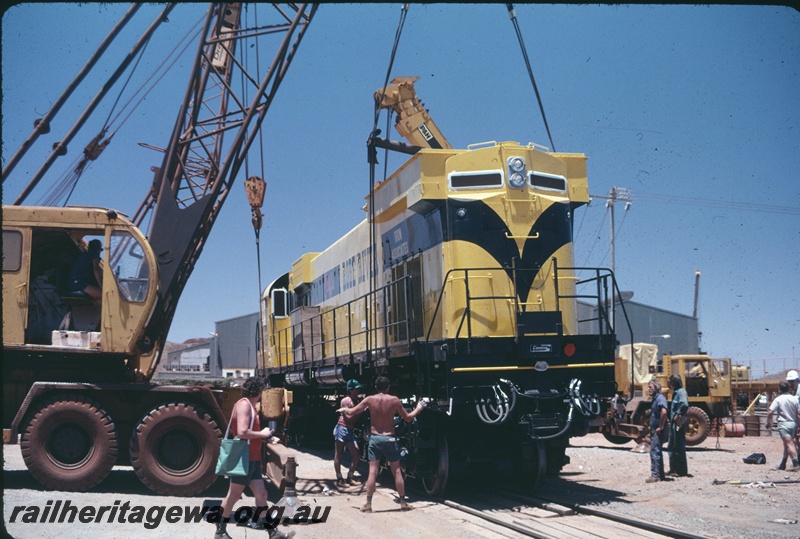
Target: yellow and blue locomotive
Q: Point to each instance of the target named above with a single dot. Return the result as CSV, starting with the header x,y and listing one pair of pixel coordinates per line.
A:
x,y
460,286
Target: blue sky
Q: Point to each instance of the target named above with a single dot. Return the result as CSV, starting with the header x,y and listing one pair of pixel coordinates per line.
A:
x,y
695,109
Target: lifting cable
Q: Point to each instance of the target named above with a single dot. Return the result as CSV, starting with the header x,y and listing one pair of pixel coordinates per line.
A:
x,y
42,125
95,147
93,150
60,148
373,160
513,16
255,186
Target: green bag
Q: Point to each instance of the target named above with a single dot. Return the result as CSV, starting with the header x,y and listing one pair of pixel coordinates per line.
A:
x,y
234,457
234,454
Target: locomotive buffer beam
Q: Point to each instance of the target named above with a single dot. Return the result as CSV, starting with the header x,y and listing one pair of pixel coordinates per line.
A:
x,y
280,465
542,425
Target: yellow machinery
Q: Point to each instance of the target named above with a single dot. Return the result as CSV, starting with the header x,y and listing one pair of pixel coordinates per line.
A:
x,y
708,386
76,370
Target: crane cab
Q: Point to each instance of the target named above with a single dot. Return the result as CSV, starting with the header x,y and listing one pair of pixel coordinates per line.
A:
x,y
40,245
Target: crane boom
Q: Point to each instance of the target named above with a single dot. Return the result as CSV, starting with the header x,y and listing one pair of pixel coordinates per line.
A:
x,y
68,345
413,121
197,171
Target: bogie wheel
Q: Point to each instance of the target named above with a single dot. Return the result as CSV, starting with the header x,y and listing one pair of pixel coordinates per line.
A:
x,y
435,481
698,425
70,443
534,462
174,449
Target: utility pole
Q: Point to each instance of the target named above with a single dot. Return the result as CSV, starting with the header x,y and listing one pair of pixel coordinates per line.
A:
x,y
694,312
617,193
624,194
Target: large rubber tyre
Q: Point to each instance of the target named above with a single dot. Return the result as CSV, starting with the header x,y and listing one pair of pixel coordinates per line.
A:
x,y
435,482
619,440
70,443
697,427
174,449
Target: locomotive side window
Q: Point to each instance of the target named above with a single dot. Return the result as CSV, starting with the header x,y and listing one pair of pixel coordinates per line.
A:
x,y
12,250
551,182
476,180
279,307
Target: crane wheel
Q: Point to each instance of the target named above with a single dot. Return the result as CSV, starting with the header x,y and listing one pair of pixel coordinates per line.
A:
x,y
70,443
697,426
174,449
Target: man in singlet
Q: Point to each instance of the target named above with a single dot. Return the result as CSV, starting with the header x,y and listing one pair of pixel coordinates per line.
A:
x,y
343,436
246,424
383,442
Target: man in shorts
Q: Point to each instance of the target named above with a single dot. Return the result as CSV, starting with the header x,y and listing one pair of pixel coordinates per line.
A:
x,y
343,437
246,424
794,389
784,407
383,442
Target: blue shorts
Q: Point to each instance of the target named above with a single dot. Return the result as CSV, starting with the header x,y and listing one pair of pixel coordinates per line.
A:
x,y
343,434
383,446
254,473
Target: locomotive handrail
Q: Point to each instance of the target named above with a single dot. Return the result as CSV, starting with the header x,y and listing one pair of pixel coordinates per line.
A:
x,y
602,314
317,348
466,316
601,278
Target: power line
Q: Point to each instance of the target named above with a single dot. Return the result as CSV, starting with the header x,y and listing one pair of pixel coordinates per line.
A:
x,y
726,204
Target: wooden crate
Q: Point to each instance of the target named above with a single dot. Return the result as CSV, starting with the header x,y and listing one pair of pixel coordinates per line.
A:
x,y
306,334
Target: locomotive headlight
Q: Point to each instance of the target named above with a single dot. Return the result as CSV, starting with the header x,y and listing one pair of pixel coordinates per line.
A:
x,y
516,172
461,213
516,164
516,180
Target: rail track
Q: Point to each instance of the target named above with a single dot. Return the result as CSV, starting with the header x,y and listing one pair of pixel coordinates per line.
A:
x,y
503,511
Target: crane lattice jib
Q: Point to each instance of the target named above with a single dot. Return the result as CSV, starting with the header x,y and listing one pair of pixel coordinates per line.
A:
x,y
199,167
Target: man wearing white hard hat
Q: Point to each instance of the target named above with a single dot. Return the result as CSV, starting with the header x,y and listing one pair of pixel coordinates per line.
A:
x,y
792,377
784,408
794,384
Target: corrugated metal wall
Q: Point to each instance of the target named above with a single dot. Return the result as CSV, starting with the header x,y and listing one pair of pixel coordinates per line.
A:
x,y
649,325
235,345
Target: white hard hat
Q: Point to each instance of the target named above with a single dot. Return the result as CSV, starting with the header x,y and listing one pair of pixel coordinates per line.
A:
x,y
792,375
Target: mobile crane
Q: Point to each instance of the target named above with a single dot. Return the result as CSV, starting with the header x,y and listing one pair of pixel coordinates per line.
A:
x,y
76,371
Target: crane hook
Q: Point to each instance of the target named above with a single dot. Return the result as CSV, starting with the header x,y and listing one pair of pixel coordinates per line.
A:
x,y
255,188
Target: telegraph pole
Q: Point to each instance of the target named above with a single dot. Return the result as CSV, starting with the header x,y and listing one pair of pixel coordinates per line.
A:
x,y
624,194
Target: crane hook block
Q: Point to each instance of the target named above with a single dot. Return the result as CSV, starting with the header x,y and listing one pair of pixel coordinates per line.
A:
x,y
255,188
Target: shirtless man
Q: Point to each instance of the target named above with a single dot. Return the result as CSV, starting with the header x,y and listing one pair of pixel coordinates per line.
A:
x,y
383,442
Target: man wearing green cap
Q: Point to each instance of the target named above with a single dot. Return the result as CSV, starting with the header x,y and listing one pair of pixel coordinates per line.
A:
x,y
343,436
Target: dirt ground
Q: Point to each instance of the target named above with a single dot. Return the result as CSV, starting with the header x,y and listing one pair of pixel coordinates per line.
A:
x,y
600,473
613,477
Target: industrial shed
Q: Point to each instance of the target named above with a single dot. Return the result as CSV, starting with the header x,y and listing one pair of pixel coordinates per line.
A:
x,y
673,333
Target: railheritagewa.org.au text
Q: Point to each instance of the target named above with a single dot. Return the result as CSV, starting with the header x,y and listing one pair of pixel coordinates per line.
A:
x,y
63,511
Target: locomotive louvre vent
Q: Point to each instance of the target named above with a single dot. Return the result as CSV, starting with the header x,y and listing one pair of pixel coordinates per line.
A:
x,y
550,182
476,180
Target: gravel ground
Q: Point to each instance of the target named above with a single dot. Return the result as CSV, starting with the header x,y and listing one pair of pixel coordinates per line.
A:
x,y
603,474
613,477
